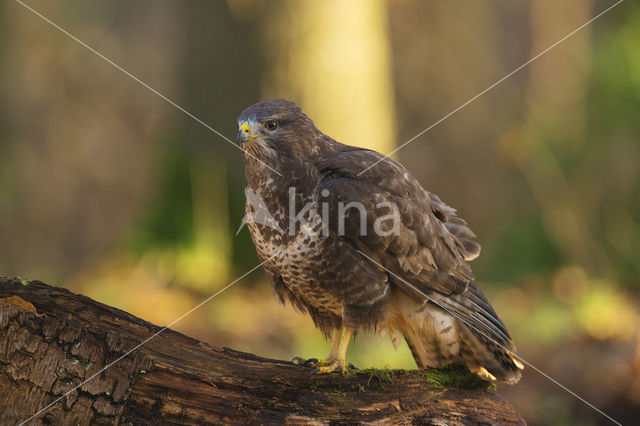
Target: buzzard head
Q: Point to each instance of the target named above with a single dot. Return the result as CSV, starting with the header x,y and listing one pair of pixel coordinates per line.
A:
x,y
277,132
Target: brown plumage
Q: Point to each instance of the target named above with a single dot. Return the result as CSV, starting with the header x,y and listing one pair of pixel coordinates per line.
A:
x,y
414,281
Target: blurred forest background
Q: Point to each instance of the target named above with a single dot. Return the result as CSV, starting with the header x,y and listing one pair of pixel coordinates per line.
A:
x,y
108,190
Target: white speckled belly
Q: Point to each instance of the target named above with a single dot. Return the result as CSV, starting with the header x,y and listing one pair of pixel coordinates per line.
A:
x,y
300,261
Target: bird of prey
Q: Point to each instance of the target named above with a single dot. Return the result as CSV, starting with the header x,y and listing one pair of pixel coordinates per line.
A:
x,y
360,247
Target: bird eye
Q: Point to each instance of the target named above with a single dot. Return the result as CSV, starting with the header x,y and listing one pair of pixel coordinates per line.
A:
x,y
270,125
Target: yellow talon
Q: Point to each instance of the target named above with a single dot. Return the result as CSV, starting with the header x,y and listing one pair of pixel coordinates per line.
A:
x,y
335,361
484,373
331,366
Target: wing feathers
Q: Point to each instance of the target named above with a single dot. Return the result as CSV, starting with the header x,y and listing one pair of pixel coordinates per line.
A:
x,y
432,244
427,259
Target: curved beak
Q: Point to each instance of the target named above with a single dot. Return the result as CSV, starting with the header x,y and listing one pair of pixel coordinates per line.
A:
x,y
244,133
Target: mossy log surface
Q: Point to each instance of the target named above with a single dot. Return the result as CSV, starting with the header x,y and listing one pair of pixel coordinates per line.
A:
x,y
52,340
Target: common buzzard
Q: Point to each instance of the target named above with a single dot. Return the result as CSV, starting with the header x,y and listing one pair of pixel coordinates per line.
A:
x,y
362,250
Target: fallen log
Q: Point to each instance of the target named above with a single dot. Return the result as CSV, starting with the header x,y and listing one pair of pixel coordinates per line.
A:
x,y
82,362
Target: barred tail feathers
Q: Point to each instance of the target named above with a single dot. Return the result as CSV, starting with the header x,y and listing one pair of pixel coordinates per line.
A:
x,y
436,338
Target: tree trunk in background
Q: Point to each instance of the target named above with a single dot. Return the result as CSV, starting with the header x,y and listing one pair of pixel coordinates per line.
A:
x,y
334,59
52,340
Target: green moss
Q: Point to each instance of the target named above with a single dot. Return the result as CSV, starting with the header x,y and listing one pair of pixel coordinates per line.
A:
x,y
88,366
451,376
358,388
339,393
380,375
455,376
314,386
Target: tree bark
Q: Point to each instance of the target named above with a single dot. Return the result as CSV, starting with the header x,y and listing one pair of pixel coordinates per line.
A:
x,y
52,340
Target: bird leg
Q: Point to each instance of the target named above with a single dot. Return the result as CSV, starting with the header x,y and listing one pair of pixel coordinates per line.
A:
x,y
336,359
335,343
